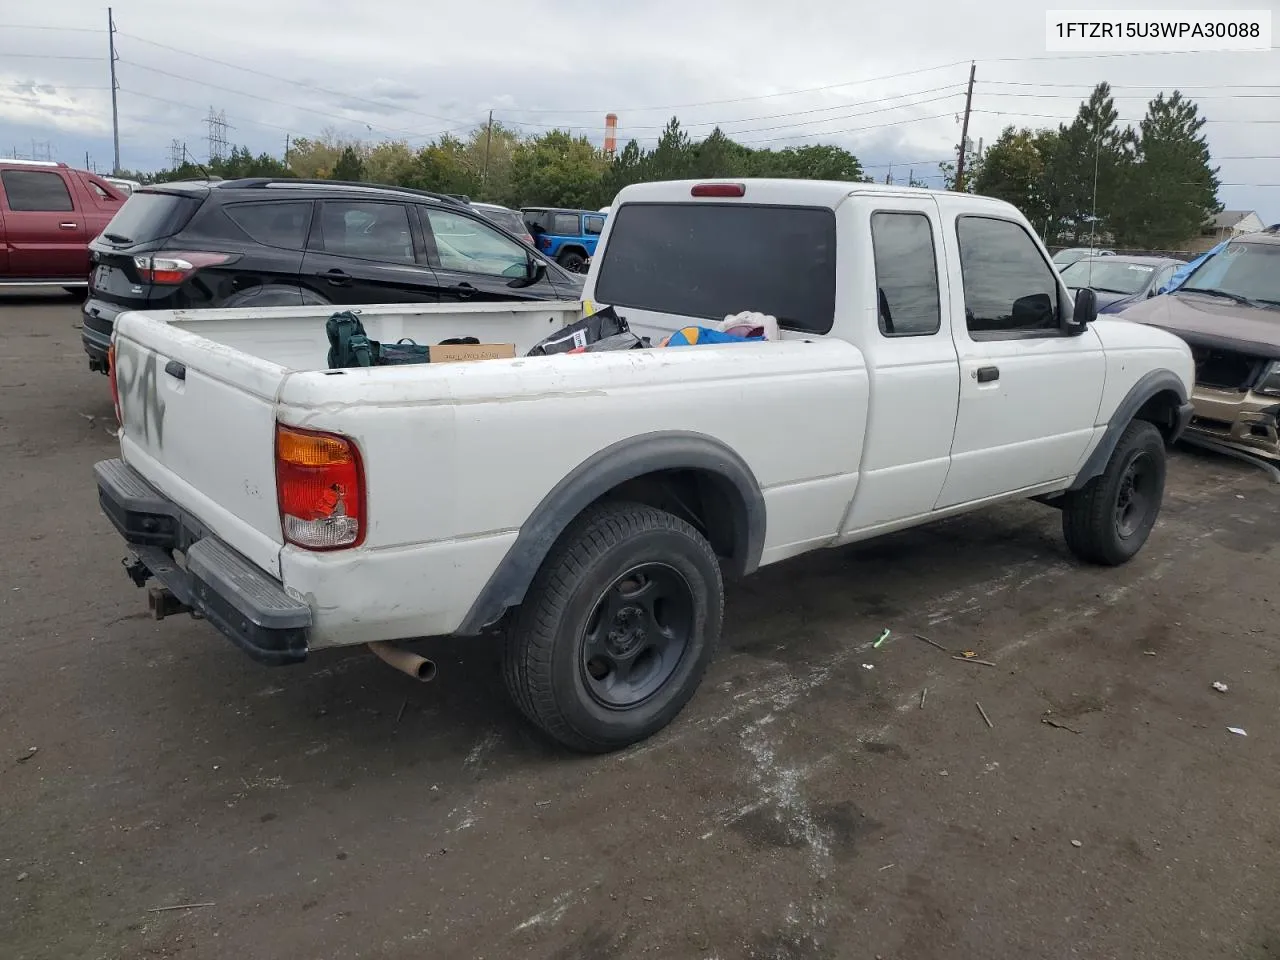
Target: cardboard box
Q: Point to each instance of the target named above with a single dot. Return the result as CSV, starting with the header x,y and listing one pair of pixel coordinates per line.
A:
x,y
459,352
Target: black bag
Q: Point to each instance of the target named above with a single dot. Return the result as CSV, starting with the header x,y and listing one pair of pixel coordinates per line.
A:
x,y
349,345
599,326
403,350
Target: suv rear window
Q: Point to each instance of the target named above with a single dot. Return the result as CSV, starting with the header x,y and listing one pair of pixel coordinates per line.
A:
x,y
713,260
150,216
508,220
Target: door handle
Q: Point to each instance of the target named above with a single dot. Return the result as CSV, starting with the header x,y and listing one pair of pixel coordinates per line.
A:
x,y
464,290
336,277
176,370
67,226
987,374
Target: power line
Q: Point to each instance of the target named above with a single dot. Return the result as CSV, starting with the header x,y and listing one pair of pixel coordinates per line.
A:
x,y
1129,96
33,26
272,76
1134,86
1051,116
47,56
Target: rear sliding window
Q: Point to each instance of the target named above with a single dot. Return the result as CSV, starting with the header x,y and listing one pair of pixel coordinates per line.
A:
x,y
715,259
150,216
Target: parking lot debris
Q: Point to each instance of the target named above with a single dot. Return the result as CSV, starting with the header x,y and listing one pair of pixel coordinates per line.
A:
x,y
1060,726
31,752
923,693
1076,843
1148,653
542,803
404,703
1219,686
973,659
887,866
883,637
1238,731
181,906
868,666
931,643
23,875
984,715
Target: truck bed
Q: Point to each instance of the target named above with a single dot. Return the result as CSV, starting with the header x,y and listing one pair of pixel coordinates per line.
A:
x,y
294,337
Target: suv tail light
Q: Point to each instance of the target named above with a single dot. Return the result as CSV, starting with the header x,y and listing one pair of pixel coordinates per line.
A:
x,y
175,268
115,389
320,488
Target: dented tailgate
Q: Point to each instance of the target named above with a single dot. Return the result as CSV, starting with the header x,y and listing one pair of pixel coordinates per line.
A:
x,y
199,424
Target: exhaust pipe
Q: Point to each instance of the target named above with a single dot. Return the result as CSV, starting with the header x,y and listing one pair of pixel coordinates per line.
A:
x,y
420,668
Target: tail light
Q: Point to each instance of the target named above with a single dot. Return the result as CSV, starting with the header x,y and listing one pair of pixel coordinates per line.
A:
x,y
115,389
175,268
320,488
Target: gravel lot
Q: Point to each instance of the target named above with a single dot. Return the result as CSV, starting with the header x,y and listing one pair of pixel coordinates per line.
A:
x,y
806,805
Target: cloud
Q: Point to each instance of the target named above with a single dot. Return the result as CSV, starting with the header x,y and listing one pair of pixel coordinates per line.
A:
x,y
397,71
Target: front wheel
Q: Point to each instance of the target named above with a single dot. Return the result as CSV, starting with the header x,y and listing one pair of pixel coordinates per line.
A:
x,y
1109,519
616,629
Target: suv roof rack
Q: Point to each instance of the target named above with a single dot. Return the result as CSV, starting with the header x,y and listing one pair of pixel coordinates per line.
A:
x,y
260,183
32,163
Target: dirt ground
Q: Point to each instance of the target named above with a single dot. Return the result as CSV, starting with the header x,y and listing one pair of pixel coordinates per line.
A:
x,y
812,802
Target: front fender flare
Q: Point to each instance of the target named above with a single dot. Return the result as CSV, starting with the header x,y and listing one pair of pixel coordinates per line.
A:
x,y
1150,384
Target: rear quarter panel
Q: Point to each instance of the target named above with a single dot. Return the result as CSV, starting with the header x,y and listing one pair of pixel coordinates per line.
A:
x,y
457,458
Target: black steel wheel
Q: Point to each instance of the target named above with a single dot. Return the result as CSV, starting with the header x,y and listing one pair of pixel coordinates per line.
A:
x,y
1109,519
616,629
637,635
573,261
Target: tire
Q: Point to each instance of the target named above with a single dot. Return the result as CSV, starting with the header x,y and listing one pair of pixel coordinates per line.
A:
x,y
1108,520
572,260
617,628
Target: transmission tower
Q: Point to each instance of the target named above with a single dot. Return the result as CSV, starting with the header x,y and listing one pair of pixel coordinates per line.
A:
x,y
217,137
175,154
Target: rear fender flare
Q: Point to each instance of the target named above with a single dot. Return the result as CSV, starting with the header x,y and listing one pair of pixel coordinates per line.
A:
x,y
594,478
1157,381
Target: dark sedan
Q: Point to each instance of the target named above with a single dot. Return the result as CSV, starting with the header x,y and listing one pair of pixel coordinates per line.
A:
x,y
1120,281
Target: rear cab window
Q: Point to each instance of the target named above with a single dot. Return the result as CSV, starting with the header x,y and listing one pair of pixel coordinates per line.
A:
x,y
687,260
31,191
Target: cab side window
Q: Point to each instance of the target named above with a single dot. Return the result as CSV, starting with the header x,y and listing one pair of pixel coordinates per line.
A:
x,y
906,274
1010,292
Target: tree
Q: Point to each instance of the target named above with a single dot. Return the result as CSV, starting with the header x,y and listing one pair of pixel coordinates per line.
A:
x,y
350,165
673,158
1013,170
557,169
1174,189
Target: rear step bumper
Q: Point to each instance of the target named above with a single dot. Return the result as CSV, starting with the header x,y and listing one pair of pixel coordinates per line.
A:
x,y
216,583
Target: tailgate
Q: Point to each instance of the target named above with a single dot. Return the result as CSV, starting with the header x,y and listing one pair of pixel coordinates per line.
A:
x,y
199,424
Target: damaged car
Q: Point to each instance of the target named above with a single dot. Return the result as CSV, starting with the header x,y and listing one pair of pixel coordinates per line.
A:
x,y
1228,312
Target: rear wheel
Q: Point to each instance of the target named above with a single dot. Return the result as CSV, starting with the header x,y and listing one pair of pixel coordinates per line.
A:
x,y
1109,519
275,295
572,261
617,628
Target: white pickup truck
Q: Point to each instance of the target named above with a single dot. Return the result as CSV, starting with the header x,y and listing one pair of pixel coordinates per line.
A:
x,y
589,506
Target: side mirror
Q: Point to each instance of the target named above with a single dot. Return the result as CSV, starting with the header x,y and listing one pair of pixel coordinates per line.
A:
x,y
1034,311
534,270
1084,312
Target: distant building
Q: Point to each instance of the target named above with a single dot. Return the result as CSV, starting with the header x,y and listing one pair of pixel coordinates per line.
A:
x,y
1224,226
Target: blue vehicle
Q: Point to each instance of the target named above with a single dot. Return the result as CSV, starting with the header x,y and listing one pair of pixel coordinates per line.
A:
x,y
567,236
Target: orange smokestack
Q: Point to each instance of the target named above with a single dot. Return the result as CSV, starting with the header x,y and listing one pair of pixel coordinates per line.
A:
x,y
610,133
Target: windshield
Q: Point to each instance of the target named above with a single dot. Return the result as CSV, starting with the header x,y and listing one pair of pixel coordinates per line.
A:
x,y
712,260
1108,275
1241,270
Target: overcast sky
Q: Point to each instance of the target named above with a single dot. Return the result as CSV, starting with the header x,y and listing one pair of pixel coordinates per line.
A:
x,y
393,68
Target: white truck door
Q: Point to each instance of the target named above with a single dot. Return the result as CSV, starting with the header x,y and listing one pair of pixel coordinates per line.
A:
x,y
1029,394
911,356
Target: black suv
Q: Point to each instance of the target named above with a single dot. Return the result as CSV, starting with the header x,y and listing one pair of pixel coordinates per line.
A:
x,y
284,242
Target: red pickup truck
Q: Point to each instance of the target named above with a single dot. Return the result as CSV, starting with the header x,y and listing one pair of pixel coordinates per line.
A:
x,y
48,214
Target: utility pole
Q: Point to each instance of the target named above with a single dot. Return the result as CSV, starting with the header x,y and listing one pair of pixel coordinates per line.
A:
x,y
115,114
488,139
286,151
964,130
